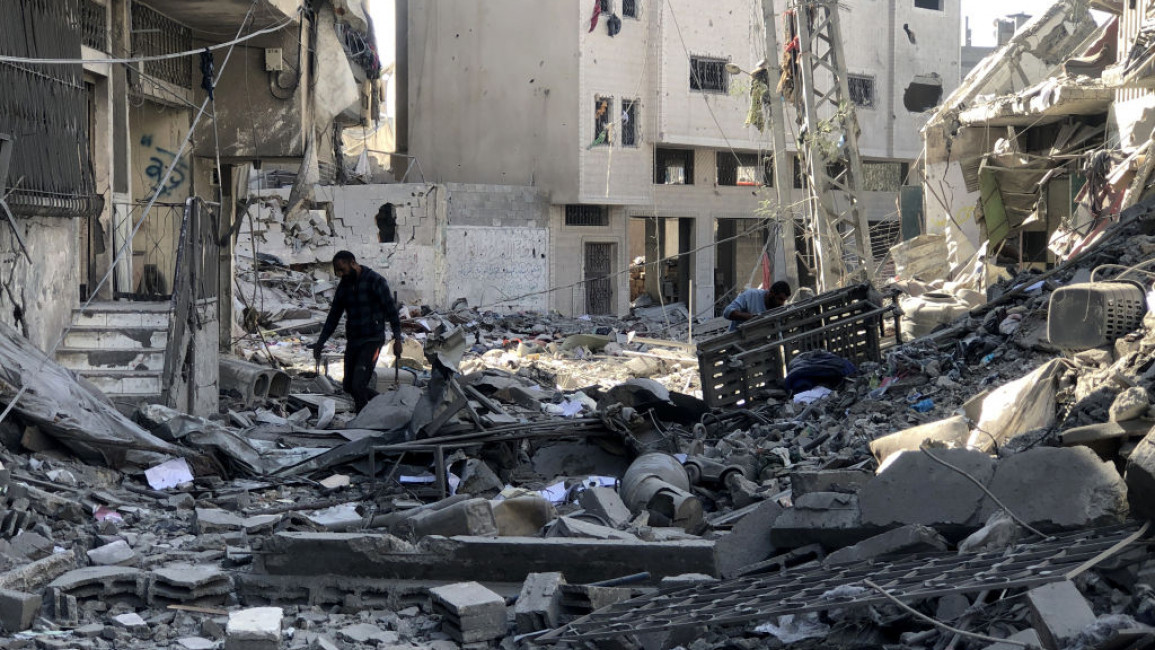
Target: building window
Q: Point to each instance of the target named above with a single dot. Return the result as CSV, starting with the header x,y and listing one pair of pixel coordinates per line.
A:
x,y
878,176
630,8
929,4
861,90
629,123
673,166
800,176
707,75
603,116
743,169
597,216
604,6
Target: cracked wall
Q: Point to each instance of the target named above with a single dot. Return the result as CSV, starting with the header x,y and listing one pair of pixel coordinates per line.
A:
x,y
37,296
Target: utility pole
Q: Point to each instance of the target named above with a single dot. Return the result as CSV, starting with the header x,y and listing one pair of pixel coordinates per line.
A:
x,y
840,231
782,163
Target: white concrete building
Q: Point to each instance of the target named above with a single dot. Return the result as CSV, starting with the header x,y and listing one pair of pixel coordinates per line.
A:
x,y
637,133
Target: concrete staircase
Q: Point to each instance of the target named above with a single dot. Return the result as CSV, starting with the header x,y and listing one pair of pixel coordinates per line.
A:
x,y
120,348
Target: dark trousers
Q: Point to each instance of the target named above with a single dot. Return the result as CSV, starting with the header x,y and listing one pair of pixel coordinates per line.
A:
x,y
360,361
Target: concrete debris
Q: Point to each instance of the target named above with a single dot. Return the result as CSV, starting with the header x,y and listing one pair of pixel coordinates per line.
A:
x,y
572,462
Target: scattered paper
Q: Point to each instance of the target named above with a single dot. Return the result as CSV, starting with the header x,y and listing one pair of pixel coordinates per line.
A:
x,y
812,395
169,474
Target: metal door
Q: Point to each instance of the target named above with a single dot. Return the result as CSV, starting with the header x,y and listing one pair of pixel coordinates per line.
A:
x,y
599,266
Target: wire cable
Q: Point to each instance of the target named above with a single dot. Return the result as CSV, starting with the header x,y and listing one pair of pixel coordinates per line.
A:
x,y
158,57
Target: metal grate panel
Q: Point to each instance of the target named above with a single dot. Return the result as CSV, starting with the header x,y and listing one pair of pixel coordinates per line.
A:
x,y
94,24
599,286
759,598
154,33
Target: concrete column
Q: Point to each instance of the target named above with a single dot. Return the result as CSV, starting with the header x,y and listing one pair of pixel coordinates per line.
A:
x,y
119,21
704,262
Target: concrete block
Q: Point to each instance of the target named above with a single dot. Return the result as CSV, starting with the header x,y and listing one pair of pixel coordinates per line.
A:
x,y
1130,404
256,628
367,633
472,517
212,520
748,541
117,552
828,480
831,519
18,610
539,604
952,432
1059,613
606,505
913,489
912,538
1141,477
1091,492
470,612
579,600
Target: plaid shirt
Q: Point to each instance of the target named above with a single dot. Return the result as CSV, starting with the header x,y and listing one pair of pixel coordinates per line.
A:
x,y
367,303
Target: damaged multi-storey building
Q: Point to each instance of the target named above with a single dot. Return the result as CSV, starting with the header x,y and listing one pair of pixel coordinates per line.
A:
x,y
1044,142
122,179
639,131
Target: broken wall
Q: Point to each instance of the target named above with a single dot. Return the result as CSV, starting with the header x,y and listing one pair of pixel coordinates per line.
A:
x,y
434,243
37,296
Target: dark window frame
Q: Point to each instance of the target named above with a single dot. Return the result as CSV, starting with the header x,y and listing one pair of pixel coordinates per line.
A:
x,y
629,117
581,215
630,8
708,75
603,121
664,155
931,5
866,81
727,165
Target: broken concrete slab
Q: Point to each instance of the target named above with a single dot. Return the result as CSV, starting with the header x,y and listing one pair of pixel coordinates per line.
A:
x,y
945,498
100,581
388,411
1130,404
539,603
367,633
951,433
831,519
908,539
748,542
574,528
189,583
828,480
1090,494
606,505
256,628
1028,637
484,559
470,612
1059,613
117,552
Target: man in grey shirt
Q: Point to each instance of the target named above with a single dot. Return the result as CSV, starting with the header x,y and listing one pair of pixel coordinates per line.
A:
x,y
752,302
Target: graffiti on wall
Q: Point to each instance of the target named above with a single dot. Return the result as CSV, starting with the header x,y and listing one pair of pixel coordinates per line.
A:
x,y
491,265
158,164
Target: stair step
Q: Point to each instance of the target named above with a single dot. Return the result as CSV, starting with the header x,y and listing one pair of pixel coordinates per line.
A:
x,y
116,383
119,338
123,314
110,358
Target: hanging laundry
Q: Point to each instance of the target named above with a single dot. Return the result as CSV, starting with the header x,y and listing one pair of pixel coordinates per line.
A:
x,y
789,57
597,12
207,72
613,25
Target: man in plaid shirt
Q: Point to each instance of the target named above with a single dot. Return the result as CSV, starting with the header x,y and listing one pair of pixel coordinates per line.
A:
x,y
364,298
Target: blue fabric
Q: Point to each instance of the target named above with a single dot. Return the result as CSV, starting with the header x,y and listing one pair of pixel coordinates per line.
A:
x,y
751,300
816,368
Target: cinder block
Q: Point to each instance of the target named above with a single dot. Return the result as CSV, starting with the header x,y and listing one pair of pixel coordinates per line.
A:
x,y
1059,612
18,610
256,628
470,612
539,604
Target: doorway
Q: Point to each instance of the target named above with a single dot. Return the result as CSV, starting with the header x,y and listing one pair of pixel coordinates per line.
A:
x,y
738,262
599,270
662,258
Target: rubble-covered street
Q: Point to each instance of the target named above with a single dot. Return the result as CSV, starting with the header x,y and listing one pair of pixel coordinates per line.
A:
x,y
370,341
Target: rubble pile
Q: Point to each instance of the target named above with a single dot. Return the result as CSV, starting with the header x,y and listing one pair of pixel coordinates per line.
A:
x,y
529,479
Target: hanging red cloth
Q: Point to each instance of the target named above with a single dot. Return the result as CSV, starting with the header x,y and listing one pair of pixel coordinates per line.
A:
x,y
597,13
